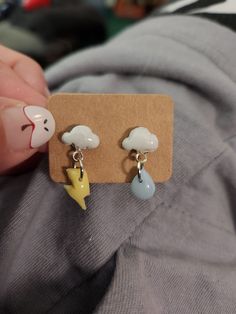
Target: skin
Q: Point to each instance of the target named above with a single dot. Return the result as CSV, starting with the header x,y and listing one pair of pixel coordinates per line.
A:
x,y
21,83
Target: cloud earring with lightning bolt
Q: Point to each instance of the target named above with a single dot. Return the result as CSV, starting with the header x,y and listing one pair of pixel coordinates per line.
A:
x,y
80,138
142,141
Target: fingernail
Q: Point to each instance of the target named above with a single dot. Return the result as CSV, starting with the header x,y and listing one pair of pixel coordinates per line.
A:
x,y
27,127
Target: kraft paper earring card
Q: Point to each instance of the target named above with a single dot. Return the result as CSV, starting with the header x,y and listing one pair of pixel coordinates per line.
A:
x,y
112,117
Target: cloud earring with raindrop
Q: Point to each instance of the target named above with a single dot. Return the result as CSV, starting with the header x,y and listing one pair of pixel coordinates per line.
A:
x,y
80,138
143,142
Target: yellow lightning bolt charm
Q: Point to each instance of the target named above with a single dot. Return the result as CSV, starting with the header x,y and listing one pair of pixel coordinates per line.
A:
x,y
79,189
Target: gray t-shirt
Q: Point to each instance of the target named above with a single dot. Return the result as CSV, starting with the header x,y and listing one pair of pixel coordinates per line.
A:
x,y
174,253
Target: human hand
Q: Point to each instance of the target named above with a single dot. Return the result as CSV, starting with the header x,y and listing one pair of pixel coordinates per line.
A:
x,y
24,128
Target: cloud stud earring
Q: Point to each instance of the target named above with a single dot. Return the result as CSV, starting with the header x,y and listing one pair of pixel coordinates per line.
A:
x,y
80,138
142,141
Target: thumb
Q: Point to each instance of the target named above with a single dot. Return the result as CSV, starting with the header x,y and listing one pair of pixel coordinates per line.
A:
x,y
23,130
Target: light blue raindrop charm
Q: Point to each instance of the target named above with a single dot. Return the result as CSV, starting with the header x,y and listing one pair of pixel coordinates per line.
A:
x,y
145,189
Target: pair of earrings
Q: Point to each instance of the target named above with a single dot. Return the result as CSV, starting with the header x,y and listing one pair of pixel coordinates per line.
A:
x,y
81,137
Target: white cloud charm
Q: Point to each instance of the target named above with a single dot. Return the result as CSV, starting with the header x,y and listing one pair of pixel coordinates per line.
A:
x,y
82,137
141,140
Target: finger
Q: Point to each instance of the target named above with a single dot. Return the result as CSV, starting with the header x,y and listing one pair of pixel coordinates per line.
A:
x,y
12,86
27,69
23,130
32,74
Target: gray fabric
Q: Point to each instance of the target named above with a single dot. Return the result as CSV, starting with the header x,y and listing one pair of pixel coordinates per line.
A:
x,y
175,253
20,39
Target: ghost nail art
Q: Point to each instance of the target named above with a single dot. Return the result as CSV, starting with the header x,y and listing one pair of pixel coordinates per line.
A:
x,y
27,127
43,125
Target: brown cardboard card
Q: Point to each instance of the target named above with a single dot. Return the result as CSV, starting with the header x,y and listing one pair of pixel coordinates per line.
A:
x,y
112,117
